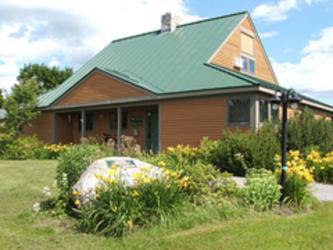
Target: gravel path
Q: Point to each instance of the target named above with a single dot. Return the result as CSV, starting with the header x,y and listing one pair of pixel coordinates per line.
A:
x,y
322,192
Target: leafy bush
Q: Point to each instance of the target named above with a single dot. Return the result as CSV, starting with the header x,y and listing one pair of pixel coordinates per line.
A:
x,y
209,150
182,154
120,208
206,179
305,131
239,151
73,162
299,175
28,147
53,151
296,191
296,166
234,153
22,148
322,166
261,189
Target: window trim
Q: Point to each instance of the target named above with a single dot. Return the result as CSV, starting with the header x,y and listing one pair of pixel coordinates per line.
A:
x,y
263,101
248,58
86,120
113,130
227,112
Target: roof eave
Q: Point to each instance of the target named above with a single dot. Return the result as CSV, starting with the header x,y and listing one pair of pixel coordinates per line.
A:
x,y
155,98
303,101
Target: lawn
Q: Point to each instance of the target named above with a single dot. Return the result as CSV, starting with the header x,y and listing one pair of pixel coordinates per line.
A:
x,y
21,183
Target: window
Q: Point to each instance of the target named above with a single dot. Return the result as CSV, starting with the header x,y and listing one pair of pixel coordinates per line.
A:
x,y
114,120
274,114
263,107
239,110
247,44
89,121
248,65
124,119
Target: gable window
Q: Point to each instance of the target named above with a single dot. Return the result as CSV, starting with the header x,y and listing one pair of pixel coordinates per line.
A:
x,y
247,44
114,120
89,124
263,108
248,65
239,111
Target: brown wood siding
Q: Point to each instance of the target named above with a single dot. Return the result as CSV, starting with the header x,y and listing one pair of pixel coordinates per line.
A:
x,y
232,49
41,127
186,121
100,87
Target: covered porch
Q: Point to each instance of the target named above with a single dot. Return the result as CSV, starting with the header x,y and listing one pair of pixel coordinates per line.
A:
x,y
140,122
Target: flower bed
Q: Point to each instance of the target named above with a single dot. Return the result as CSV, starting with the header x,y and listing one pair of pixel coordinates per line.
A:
x,y
120,208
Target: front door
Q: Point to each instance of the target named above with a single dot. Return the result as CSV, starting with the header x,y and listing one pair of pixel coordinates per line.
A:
x,y
151,142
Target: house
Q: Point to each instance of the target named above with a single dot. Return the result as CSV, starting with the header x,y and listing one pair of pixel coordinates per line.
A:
x,y
167,87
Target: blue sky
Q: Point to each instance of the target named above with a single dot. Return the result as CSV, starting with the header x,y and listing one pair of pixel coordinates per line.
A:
x,y
297,34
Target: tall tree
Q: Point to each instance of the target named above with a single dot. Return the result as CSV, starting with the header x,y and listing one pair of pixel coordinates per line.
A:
x,y
46,77
20,106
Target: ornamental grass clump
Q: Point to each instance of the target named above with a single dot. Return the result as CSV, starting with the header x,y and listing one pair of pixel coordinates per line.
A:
x,y
208,184
296,166
322,166
53,151
299,175
261,190
120,208
183,154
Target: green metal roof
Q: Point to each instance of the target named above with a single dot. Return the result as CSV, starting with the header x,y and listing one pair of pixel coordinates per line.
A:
x,y
166,63
163,62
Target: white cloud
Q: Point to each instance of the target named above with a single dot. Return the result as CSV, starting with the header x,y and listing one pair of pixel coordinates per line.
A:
x,y
313,73
269,34
71,31
324,43
275,11
278,10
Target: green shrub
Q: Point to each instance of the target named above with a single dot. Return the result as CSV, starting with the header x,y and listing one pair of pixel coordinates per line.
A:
x,y
28,147
119,208
296,191
53,151
22,148
73,162
320,165
261,189
239,151
305,131
208,150
182,154
206,179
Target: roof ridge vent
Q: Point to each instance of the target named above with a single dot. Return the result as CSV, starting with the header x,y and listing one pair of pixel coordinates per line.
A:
x,y
169,22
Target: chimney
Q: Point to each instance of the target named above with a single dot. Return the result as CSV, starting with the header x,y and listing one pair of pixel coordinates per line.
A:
x,y
169,22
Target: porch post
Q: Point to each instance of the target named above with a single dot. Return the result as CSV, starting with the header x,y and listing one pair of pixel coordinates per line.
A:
x,y
119,126
255,112
83,123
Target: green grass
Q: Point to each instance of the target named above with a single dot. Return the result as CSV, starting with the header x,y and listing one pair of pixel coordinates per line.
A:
x,y
21,183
